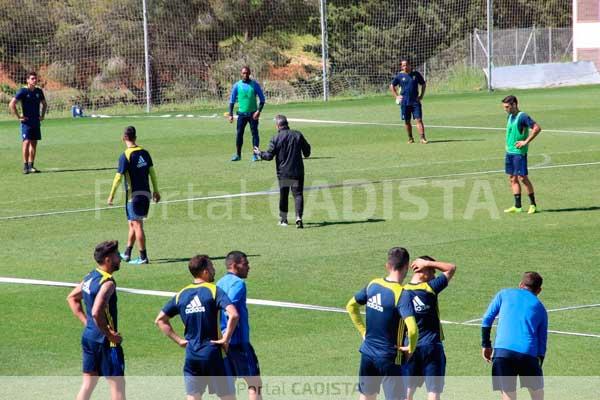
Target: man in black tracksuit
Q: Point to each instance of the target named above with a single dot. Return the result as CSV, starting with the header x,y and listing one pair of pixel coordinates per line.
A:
x,y
288,147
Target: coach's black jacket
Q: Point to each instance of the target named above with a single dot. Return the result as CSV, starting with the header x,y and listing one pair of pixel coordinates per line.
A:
x,y
287,147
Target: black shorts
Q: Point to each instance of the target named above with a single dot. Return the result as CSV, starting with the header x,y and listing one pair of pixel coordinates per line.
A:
x,y
506,369
427,365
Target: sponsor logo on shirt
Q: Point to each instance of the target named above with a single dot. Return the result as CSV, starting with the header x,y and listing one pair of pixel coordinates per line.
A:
x,y
141,162
86,286
194,306
418,305
375,303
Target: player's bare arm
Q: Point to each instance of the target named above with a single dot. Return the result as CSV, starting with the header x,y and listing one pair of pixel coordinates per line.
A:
x,y
423,87
99,315
232,321
13,109
163,323
74,299
532,134
445,268
44,109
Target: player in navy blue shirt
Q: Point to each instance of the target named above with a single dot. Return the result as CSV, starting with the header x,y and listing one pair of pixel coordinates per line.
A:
x,y
241,360
101,340
388,319
30,97
136,166
409,98
521,337
428,363
199,305
244,92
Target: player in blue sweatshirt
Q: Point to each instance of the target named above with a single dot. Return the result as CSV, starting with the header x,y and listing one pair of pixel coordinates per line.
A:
x,y
520,344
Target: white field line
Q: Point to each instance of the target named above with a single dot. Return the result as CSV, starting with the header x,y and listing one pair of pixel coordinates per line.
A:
x,y
552,310
271,303
479,128
273,191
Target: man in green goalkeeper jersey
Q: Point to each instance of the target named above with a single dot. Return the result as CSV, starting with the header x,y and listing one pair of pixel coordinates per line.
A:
x,y
520,131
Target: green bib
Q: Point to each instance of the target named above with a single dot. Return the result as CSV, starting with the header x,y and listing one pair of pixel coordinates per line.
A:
x,y
246,97
513,135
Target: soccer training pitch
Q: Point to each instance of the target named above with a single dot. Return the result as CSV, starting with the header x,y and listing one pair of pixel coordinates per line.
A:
x,y
367,190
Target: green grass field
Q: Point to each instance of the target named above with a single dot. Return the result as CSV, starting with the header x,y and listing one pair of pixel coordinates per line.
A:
x,y
452,212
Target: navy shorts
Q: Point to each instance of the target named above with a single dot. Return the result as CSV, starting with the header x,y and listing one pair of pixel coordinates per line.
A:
x,y
407,111
200,374
102,359
241,361
506,369
515,164
427,365
30,132
137,208
376,372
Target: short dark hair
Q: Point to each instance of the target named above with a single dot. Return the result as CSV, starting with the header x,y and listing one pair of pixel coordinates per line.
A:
x,y
105,249
532,281
198,264
510,100
405,59
281,121
235,257
427,258
31,73
129,133
398,258
246,67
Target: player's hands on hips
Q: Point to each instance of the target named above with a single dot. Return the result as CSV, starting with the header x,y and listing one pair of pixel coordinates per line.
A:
x,y
486,353
109,201
520,144
406,351
230,118
256,115
398,99
114,337
419,265
156,197
22,118
182,343
221,342
256,150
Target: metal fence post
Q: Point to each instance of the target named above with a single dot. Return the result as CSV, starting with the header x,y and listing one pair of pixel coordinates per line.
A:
x,y
146,56
489,43
324,48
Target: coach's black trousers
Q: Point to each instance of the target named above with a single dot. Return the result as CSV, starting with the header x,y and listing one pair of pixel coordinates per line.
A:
x,y
297,188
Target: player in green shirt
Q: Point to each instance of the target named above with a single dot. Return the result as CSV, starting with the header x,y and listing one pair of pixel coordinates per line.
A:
x,y
521,129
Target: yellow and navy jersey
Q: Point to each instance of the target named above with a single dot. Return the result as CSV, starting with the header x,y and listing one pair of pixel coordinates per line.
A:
x,y
199,307
424,302
135,165
90,287
385,312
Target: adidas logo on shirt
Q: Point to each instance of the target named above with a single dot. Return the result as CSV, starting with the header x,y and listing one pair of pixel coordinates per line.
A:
x,y
375,302
141,162
86,286
194,306
418,304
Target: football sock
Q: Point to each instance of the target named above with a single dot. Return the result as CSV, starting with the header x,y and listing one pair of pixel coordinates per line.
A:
x,y
29,165
25,165
518,200
128,251
143,255
532,198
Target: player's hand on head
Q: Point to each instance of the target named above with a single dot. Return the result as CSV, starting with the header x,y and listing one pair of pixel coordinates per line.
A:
x,y
156,197
418,265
